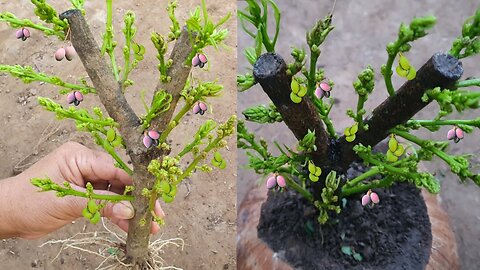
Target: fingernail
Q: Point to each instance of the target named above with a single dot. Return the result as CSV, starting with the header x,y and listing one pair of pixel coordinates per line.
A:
x,y
123,210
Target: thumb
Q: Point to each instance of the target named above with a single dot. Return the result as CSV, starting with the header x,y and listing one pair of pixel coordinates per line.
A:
x,y
119,210
115,210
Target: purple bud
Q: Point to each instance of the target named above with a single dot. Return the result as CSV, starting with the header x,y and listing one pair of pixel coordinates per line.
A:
x,y
202,106
451,134
26,33
70,53
147,141
271,182
374,197
78,96
281,181
196,108
70,98
60,54
459,133
325,86
19,34
319,93
202,58
153,134
365,199
195,61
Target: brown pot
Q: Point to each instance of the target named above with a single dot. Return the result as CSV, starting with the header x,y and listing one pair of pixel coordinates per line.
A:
x,y
253,253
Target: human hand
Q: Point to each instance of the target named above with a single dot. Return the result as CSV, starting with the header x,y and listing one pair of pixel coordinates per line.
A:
x,y
33,214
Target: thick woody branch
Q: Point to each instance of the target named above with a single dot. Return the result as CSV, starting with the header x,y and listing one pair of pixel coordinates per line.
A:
x,y
442,70
179,72
270,72
110,92
108,89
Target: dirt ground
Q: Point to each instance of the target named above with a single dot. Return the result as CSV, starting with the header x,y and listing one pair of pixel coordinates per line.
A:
x,y
363,28
205,220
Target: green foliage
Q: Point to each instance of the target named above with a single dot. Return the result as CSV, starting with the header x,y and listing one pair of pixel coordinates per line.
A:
x,y
28,75
448,100
162,47
203,31
468,43
160,104
407,33
129,32
257,15
175,27
329,201
245,82
364,86
262,114
15,22
307,144
49,15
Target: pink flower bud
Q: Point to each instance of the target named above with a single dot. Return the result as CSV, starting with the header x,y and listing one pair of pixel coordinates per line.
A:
x,y
271,182
78,96
374,197
71,98
70,53
319,93
195,61
153,134
19,34
451,134
281,181
202,58
200,108
365,199
26,33
459,133
325,86
147,141
60,54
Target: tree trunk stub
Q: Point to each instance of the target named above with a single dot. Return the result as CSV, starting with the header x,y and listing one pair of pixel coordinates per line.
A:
x,y
270,71
441,70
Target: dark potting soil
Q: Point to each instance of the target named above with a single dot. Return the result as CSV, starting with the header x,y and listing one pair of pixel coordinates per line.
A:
x,y
394,234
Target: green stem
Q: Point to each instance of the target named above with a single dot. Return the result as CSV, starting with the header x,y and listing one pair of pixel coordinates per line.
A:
x,y
424,144
111,150
467,83
295,186
174,122
425,123
324,116
313,70
28,75
197,159
348,191
27,23
359,115
109,35
103,197
373,171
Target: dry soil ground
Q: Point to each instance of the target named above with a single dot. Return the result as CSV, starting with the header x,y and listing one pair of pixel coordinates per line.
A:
x,y
205,219
363,28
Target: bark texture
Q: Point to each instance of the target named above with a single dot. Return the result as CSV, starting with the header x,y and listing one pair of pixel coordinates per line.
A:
x,y
270,71
441,70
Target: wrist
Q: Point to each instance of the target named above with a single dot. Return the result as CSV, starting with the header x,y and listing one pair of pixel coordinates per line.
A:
x,y
10,221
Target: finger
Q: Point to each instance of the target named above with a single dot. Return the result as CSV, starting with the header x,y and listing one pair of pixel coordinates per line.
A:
x,y
155,228
120,210
158,210
91,165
